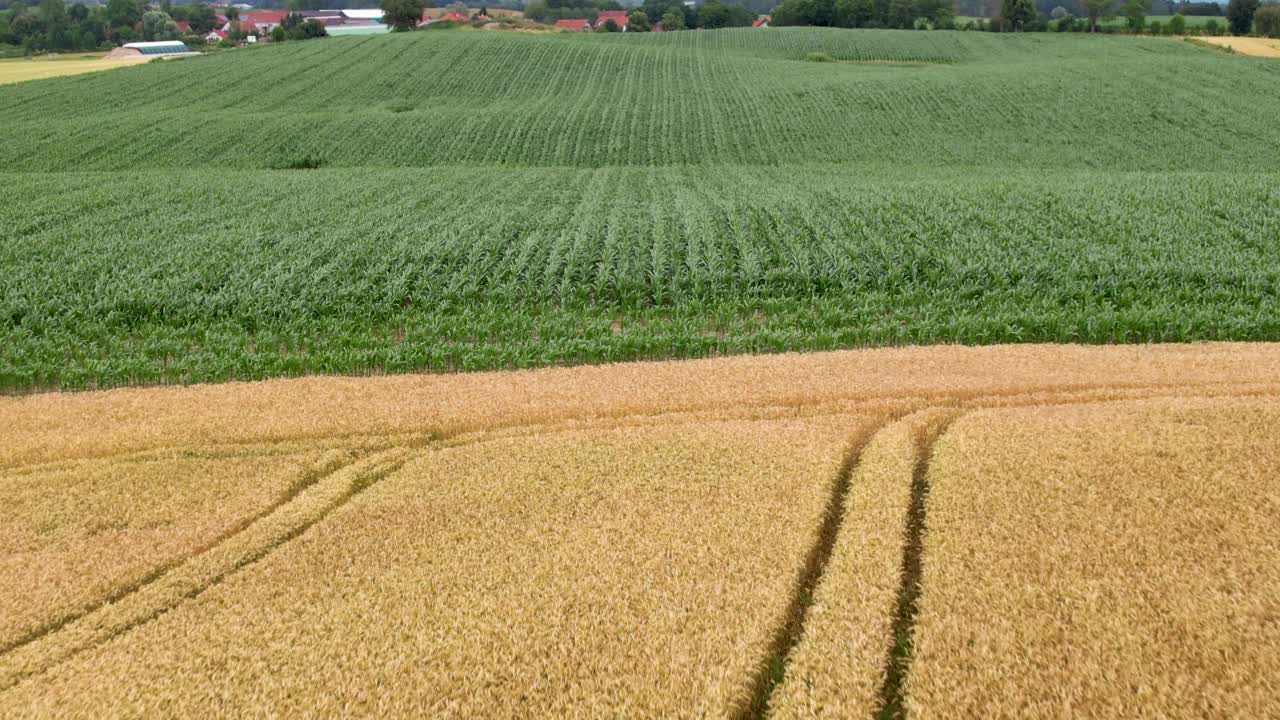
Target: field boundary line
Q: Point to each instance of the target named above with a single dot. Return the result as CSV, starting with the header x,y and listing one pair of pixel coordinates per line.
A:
x,y
897,664
173,586
772,669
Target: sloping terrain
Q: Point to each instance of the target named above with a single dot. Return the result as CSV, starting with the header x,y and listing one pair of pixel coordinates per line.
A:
x,y
854,534
466,201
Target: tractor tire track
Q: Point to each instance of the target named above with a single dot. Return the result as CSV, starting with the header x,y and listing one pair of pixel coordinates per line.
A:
x,y
171,587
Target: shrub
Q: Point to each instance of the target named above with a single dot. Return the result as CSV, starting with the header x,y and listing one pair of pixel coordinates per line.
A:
x,y
819,57
1267,21
1177,25
305,161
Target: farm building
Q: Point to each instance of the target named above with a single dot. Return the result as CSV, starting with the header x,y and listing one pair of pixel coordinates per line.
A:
x,y
159,48
618,16
573,24
373,15
263,22
762,21
360,28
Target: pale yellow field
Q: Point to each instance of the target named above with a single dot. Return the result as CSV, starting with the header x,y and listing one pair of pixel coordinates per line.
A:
x,y
20,69
1021,531
1259,47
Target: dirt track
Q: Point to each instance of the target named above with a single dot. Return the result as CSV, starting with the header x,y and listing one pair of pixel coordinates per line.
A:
x,y
649,539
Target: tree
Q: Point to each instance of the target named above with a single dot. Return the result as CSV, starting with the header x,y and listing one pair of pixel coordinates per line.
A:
x,y
124,13
278,33
1096,9
1177,24
1240,16
402,15
672,21
201,18
796,12
637,21
1014,14
57,28
158,26
1268,21
312,28
610,25
902,13
1135,13
853,13
713,15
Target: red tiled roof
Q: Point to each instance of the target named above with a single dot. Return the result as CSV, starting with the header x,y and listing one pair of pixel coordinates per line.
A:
x,y
262,18
452,17
573,24
615,14
183,25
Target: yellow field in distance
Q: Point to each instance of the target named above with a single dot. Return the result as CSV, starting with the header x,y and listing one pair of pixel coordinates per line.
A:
x,y
14,70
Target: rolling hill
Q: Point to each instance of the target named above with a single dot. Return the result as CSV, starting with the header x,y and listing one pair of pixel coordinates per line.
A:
x,y
435,201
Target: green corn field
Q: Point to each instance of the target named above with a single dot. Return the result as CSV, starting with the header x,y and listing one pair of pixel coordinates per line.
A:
x,y
463,201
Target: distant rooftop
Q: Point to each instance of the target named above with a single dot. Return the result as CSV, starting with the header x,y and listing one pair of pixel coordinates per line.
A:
x,y
160,47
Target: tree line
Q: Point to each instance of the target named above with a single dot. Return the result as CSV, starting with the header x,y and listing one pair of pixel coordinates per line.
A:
x,y
1242,17
52,25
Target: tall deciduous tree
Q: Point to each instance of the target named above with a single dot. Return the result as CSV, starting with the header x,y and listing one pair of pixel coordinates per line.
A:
x,y
402,14
1240,15
1017,13
1268,21
124,13
1096,9
159,26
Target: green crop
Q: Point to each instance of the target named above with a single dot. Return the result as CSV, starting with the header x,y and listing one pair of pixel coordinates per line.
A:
x,y
441,201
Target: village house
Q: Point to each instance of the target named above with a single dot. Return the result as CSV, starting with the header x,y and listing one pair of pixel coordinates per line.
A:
x,y
618,16
579,24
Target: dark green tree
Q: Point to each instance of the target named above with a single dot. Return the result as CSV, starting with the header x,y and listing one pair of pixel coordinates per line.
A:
x,y
902,13
124,13
1240,16
854,13
673,21
201,18
402,15
1017,13
638,22
57,26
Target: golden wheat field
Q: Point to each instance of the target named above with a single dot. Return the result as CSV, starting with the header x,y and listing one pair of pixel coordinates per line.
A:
x,y
1019,531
